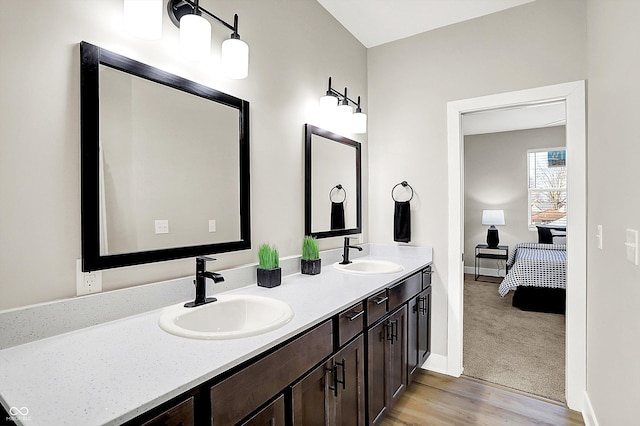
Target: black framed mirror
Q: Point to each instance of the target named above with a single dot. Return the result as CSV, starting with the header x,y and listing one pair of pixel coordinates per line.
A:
x,y
164,165
333,194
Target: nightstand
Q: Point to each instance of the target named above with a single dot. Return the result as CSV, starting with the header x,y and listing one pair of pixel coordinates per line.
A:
x,y
484,252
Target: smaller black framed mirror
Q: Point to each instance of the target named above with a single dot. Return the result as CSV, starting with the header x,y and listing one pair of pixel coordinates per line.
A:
x,y
333,194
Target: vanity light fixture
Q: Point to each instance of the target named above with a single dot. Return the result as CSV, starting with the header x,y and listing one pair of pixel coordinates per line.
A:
x,y
143,18
334,100
195,37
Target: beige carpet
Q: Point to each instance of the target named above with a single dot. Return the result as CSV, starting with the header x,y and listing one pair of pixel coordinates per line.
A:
x,y
510,347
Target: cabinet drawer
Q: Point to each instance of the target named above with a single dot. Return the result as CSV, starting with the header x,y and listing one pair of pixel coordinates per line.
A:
x,y
235,397
426,277
181,414
350,323
405,290
376,306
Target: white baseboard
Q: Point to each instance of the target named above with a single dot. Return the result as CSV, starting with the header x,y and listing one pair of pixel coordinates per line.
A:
x,y
489,272
588,415
436,363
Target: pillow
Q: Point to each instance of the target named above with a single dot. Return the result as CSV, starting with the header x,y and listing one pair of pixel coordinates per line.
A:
x,y
544,233
558,237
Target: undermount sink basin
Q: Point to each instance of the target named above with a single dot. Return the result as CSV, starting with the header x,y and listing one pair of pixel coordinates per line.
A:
x,y
230,317
363,266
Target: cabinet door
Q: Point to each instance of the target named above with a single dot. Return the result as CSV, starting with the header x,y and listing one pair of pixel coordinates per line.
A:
x,y
412,338
424,325
376,371
397,355
312,398
271,415
349,370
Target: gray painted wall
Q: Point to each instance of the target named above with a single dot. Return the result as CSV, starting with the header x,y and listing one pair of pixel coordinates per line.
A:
x,y
495,178
613,286
410,83
294,47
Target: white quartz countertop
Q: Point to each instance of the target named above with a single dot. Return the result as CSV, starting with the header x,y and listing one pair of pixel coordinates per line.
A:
x,y
113,372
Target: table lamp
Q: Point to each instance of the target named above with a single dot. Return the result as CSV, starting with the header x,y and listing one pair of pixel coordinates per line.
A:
x,y
492,217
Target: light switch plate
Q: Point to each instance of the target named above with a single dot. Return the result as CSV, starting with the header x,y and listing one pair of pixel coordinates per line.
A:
x,y
599,236
632,245
212,225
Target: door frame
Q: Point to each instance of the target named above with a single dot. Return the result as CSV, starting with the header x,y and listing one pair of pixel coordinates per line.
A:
x,y
574,96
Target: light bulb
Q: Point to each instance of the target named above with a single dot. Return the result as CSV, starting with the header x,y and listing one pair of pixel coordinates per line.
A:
x,y
195,37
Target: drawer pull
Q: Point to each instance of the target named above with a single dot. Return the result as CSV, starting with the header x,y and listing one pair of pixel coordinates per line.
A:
x,y
381,300
355,315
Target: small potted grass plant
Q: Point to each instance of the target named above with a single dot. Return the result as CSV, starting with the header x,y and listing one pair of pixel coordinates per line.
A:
x,y
269,273
310,263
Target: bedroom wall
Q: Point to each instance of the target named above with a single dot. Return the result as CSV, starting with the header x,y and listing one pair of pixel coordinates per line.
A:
x,y
410,82
294,47
495,178
613,287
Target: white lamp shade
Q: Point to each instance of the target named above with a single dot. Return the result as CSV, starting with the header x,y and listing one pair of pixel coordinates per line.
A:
x,y
345,110
143,18
234,58
195,37
493,217
328,102
359,122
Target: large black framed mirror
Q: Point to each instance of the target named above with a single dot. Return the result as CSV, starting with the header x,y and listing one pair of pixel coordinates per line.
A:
x,y
333,194
164,165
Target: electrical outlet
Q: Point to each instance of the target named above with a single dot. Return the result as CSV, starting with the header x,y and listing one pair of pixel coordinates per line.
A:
x,y
87,282
162,226
212,225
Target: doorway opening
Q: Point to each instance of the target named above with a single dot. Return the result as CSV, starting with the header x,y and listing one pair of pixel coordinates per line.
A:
x,y
573,95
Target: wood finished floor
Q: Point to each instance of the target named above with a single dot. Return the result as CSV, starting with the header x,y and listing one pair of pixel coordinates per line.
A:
x,y
437,399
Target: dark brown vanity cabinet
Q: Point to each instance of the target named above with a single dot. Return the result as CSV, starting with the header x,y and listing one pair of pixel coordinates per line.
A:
x,y
419,331
348,370
271,415
332,393
180,414
237,396
387,363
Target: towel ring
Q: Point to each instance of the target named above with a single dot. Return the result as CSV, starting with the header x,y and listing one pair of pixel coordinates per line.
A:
x,y
404,184
338,187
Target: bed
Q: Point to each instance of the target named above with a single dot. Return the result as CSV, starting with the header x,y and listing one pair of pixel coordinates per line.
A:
x,y
537,274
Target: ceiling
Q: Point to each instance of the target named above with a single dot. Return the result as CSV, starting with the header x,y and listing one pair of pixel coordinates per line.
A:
x,y
375,22
515,118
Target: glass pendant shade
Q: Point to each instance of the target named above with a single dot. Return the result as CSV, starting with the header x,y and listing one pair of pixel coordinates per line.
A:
x,y
234,58
345,110
328,102
143,18
359,122
195,37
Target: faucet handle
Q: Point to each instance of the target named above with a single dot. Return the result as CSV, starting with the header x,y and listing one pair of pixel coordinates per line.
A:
x,y
205,258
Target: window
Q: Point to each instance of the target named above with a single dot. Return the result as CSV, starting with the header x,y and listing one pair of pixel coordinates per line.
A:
x,y
547,185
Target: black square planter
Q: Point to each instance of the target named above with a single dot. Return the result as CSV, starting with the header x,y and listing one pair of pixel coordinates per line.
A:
x,y
269,277
310,267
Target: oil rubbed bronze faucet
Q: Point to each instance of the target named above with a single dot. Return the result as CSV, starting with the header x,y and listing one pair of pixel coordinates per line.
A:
x,y
201,282
345,252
